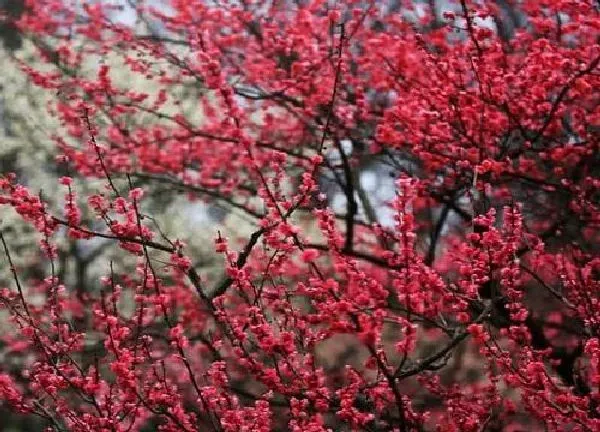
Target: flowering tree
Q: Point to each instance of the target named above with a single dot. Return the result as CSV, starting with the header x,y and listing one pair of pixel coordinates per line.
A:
x,y
474,307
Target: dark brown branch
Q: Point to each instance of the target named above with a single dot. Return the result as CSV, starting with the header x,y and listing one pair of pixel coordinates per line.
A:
x,y
470,26
334,93
241,261
435,235
199,190
351,206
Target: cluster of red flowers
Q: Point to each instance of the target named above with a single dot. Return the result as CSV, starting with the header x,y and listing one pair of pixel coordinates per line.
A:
x,y
476,309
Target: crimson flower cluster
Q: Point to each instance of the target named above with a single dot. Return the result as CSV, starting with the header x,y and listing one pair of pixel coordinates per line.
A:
x,y
470,301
